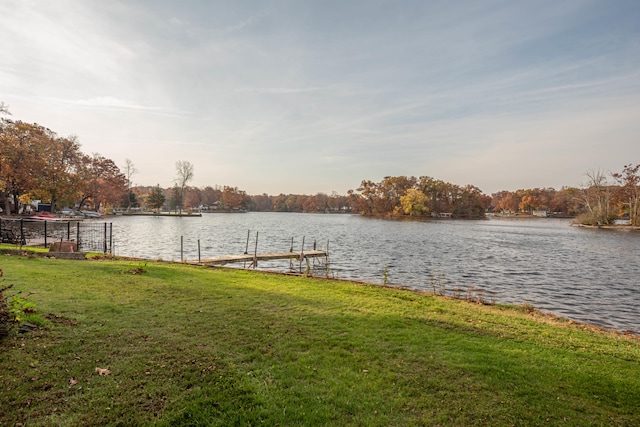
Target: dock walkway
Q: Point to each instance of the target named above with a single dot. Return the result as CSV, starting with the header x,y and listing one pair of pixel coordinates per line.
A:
x,y
253,258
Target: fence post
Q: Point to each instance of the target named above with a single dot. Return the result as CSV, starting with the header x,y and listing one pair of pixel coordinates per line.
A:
x,y
45,233
181,248
68,230
21,233
78,236
111,238
105,238
198,251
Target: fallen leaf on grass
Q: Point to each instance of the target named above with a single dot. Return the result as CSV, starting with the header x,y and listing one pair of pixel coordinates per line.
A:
x,y
73,381
103,372
134,271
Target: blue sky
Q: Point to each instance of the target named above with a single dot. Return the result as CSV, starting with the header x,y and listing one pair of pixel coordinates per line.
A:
x,y
315,96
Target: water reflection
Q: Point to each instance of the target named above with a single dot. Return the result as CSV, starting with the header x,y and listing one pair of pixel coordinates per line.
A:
x,y
586,275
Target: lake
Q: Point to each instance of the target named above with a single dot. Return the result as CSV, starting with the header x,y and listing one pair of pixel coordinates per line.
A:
x,y
583,274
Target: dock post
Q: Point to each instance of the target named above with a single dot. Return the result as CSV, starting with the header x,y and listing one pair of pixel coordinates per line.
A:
x,y
301,254
246,249
255,253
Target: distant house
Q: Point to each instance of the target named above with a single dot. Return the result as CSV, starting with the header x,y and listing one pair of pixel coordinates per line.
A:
x,y
442,214
542,214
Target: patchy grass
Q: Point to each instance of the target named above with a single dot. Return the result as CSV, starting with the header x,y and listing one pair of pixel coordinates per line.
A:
x,y
193,346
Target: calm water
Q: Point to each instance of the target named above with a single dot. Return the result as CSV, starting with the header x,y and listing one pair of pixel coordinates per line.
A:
x,y
587,275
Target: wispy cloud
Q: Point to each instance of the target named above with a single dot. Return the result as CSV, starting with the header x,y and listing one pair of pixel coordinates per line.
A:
x,y
464,90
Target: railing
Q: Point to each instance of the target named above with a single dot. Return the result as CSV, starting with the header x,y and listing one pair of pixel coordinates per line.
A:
x,y
89,236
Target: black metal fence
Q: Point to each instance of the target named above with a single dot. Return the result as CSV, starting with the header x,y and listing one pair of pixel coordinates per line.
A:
x,y
89,236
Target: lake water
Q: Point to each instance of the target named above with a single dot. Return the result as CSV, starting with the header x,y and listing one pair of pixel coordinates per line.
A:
x,y
587,275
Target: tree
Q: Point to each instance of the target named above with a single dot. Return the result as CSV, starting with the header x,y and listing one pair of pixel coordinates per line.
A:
x,y
232,198
471,203
414,202
529,201
629,192
20,144
129,171
192,197
184,172
59,179
4,109
596,197
156,198
102,183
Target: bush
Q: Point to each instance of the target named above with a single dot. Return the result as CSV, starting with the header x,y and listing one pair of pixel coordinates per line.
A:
x,y
588,218
16,310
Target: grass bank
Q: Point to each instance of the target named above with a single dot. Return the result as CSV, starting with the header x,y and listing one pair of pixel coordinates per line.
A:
x,y
192,346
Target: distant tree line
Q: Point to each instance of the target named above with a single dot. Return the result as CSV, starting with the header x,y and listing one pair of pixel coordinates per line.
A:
x,y
601,200
423,196
227,198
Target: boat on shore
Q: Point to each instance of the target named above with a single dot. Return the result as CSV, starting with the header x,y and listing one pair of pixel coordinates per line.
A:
x,y
46,217
90,214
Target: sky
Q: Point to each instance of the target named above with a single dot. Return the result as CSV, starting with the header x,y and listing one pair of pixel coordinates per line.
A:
x,y
309,96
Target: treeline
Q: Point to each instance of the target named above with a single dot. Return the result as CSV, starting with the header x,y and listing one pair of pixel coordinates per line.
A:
x,y
566,201
228,198
38,164
423,196
602,200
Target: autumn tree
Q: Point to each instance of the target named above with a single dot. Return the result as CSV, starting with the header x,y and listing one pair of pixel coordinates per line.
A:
x,y
36,162
102,182
529,201
262,203
210,195
508,201
629,191
233,198
22,156
192,197
413,202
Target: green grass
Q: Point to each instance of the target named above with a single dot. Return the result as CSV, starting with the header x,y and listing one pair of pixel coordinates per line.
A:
x,y
9,247
193,346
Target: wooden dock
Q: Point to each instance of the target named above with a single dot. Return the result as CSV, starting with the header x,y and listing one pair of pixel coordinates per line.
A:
x,y
254,258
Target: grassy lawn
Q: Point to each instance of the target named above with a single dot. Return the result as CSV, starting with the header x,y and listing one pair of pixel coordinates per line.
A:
x,y
193,346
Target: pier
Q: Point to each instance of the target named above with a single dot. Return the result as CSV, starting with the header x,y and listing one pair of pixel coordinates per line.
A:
x,y
254,258
308,256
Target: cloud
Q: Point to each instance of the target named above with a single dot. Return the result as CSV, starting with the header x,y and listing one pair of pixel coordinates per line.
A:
x,y
461,91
